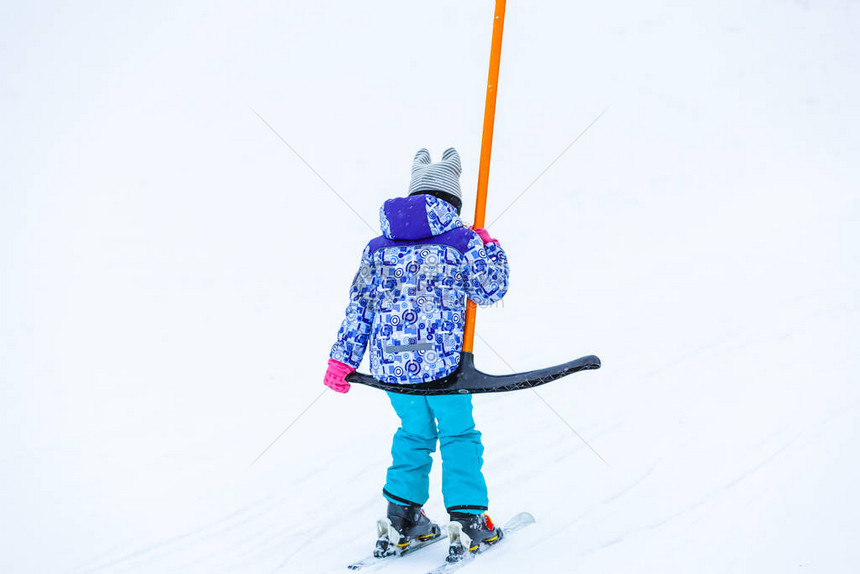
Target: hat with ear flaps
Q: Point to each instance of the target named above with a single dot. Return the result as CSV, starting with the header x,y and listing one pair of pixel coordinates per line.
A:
x,y
438,179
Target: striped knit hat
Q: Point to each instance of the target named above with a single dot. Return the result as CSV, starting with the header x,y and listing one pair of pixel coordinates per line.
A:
x,y
439,179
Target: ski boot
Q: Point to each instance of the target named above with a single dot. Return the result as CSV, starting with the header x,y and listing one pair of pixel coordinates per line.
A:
x,y
404,529
466,533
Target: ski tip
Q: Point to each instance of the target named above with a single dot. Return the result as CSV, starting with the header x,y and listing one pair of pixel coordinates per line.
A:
x,y
526,517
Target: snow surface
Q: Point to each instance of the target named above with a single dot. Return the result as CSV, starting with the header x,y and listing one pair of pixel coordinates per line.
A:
x,y
173,275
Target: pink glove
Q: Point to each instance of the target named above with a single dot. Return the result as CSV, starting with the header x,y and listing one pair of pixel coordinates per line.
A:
x,y
485,237
335,376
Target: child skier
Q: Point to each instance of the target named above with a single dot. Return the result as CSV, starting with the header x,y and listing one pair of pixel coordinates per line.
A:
x,y
407,303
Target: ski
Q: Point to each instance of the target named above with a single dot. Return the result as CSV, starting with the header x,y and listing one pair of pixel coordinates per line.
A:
x,y
373,562
518,522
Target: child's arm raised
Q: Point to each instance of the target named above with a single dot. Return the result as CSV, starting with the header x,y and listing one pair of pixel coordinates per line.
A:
x,y
485,268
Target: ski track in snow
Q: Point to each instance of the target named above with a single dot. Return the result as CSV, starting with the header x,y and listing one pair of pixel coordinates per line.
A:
x,y
713,495
260,529
172,545
265,533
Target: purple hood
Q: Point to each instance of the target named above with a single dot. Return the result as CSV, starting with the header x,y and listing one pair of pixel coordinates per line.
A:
x,y
417,217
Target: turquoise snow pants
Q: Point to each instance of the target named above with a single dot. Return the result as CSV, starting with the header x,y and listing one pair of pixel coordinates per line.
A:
x,y
423,421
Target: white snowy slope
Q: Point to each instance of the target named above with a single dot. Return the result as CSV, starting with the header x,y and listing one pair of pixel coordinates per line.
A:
x,y
173,272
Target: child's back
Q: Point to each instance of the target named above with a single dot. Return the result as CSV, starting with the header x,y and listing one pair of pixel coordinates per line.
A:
x,y
407,305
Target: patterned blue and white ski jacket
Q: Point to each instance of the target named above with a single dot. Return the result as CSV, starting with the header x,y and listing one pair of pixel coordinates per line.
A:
x,y
408,299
